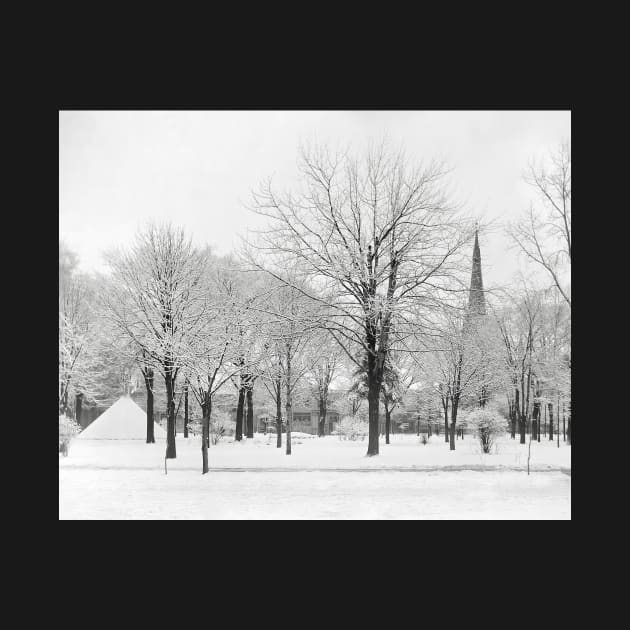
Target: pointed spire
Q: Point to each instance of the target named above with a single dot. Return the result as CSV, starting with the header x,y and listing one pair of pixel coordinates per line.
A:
x,y
476,299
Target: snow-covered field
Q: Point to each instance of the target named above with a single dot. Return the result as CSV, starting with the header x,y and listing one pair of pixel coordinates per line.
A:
x,y
323,478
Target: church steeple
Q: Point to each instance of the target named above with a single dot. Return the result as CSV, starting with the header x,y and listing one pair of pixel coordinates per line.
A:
x,y
476,299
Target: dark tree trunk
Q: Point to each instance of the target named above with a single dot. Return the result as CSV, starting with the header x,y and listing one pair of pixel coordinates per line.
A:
x,y
558,427
205,434
550,408
522,427
522,420
374,384
515,411
536,421
454,407
279,414
388,420
545,410
445,421
250,412
288,406
321,425
63,407
171,453
148,382
78,407
373,402
238,436
186,410
564,426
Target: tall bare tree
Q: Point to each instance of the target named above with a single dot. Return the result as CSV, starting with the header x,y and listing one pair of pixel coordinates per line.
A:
x,y
373,235
78,335
212,347
153,295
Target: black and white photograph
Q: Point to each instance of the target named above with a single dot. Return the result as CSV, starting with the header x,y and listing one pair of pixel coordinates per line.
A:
x,y
315,314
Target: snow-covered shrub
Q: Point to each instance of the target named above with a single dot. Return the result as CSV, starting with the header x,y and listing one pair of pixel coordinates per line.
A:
x,y
487,424
68,428
220,426
350,428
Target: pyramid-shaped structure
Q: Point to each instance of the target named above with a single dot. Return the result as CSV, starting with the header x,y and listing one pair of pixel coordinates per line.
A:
x,y
124,420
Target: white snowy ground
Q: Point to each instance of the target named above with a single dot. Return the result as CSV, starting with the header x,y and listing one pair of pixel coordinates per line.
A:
x,y
324,478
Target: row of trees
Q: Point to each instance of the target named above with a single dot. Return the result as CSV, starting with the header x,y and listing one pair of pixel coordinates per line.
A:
x,y
360,273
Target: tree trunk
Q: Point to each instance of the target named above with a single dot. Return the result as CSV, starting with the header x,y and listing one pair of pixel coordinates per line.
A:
x,y
550,408
374,383
63,408
445,407
454,406
238,434
558,427
250,412
171,453
373,402
288,402
186,410
148,381
205,434
278,414
388,420
321,425
515,411
78,407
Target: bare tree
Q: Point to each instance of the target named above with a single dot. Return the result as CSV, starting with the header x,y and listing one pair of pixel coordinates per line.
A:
x,y
373,236
518,327
78,336
209,360
292,319
546,238
326,364
153,295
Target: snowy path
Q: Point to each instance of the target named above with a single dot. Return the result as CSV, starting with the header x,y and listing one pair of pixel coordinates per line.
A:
x,y
139,494
293,469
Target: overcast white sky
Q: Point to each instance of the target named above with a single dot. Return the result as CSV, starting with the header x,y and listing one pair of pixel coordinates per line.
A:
x,y
119,169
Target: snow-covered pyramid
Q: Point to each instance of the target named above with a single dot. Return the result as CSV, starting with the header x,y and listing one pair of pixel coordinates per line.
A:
x,y
124,420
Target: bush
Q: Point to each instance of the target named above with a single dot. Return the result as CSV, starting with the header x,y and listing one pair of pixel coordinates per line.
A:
x,y
487,425
350,428
68,428
194,426
220,426
424,439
